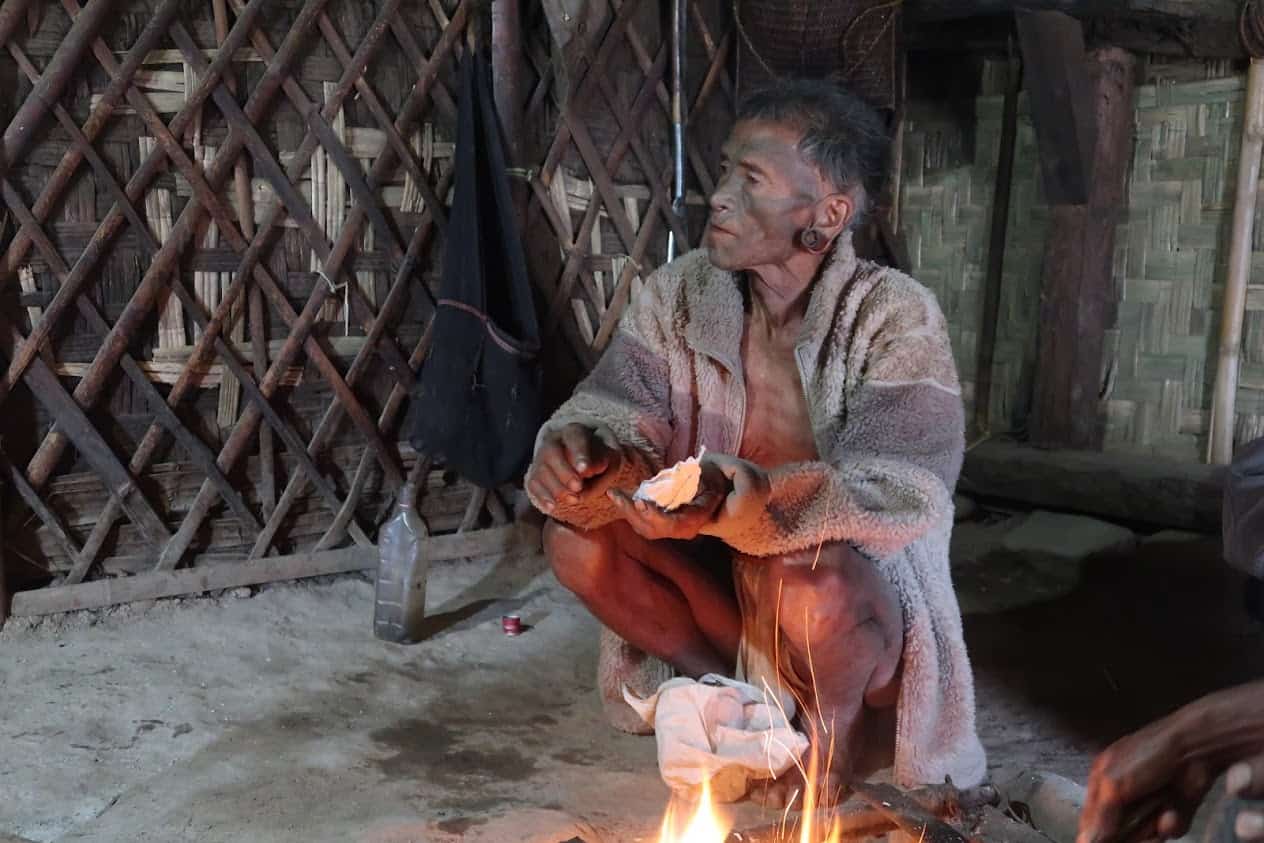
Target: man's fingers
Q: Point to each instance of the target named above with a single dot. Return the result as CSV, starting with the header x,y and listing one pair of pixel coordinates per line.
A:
x,y
554,490
1249,826
1195,782
1174,822
621,500
1099,820
577,442
540,495
556,460
627,510
1246,778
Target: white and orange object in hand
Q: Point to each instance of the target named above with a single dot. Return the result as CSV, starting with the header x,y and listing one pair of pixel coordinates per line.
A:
x,y
673,487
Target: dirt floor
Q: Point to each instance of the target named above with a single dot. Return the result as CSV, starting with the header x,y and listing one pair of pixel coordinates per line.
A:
x,y
275,715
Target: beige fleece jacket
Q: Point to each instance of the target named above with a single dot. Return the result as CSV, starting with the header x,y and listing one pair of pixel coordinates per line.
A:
x,y
885,403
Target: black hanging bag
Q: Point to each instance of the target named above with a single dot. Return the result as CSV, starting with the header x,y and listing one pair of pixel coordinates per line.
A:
x,y
476,404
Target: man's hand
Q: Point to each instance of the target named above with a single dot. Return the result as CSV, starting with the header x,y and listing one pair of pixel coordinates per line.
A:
x,y
732,490
1149,784
573,460
749,488
683,523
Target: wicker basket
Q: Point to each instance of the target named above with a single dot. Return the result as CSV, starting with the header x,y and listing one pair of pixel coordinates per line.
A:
x,y
856,41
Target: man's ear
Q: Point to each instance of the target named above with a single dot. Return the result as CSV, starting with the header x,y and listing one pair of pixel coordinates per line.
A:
x,y
835,213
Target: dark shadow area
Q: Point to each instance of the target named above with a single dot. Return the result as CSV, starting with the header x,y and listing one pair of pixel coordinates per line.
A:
x,y
1141,635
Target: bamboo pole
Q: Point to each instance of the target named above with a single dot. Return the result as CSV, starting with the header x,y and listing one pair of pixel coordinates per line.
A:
x,y
25,124
258,316
1220,441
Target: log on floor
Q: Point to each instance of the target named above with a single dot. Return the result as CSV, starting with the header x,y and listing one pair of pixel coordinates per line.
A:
x,y
1127,487
521,537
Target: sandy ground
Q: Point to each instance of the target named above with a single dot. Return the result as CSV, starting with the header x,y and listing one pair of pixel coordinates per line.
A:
x,y
280,718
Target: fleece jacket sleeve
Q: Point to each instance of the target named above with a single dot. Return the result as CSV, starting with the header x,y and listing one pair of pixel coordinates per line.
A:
x,y
888,476
629,393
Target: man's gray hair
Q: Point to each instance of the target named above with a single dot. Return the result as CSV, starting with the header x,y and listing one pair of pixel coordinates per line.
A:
x,y
843,136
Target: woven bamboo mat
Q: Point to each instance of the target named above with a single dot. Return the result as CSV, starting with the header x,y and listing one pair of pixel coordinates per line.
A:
x,y
1170,256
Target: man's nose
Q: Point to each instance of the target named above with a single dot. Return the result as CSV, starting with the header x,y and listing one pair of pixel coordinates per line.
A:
x,y
720,201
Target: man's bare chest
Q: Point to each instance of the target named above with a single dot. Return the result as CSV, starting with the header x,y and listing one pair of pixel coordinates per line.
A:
x,y
778,423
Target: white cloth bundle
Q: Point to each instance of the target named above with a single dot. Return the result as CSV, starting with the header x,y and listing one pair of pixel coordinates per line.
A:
x,y
719,729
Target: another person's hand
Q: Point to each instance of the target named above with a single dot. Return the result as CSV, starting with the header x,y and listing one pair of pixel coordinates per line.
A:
x,y
573,460
683,523
1149,784
1144,786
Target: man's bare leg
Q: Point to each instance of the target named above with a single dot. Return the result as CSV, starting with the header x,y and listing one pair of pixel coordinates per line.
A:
x,y
842,628
650,593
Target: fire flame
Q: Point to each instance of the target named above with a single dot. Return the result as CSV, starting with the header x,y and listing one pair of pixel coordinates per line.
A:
x,y
818,805
707,825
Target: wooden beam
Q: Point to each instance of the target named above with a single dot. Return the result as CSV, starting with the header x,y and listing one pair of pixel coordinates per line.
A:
x,y
920,11
1128,487
927,11
1060,92
1078,298
1199,37
156,584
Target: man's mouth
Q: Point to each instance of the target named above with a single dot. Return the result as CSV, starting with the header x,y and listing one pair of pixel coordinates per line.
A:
x,y
712,228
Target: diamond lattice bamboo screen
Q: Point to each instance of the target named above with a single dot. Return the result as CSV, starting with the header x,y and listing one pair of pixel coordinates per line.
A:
x,y
601,183
221,218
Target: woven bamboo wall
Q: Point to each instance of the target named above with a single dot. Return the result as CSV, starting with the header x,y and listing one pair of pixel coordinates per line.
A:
x,y
1170,267
949,173
1170,260
196,372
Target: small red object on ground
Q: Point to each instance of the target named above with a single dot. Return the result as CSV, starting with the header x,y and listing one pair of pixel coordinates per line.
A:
x,y
511,624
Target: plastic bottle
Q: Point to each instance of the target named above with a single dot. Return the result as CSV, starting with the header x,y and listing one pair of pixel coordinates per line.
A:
x,y
400,607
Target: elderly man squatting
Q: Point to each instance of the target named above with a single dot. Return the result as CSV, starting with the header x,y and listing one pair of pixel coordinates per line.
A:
x,y
824,391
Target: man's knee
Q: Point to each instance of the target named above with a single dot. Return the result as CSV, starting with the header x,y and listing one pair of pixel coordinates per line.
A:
x,y
832,592
580,558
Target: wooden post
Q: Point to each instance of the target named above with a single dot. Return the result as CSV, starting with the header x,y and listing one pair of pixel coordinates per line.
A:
x,y
507,71
996,247
1061,102
1220,444
1078,300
